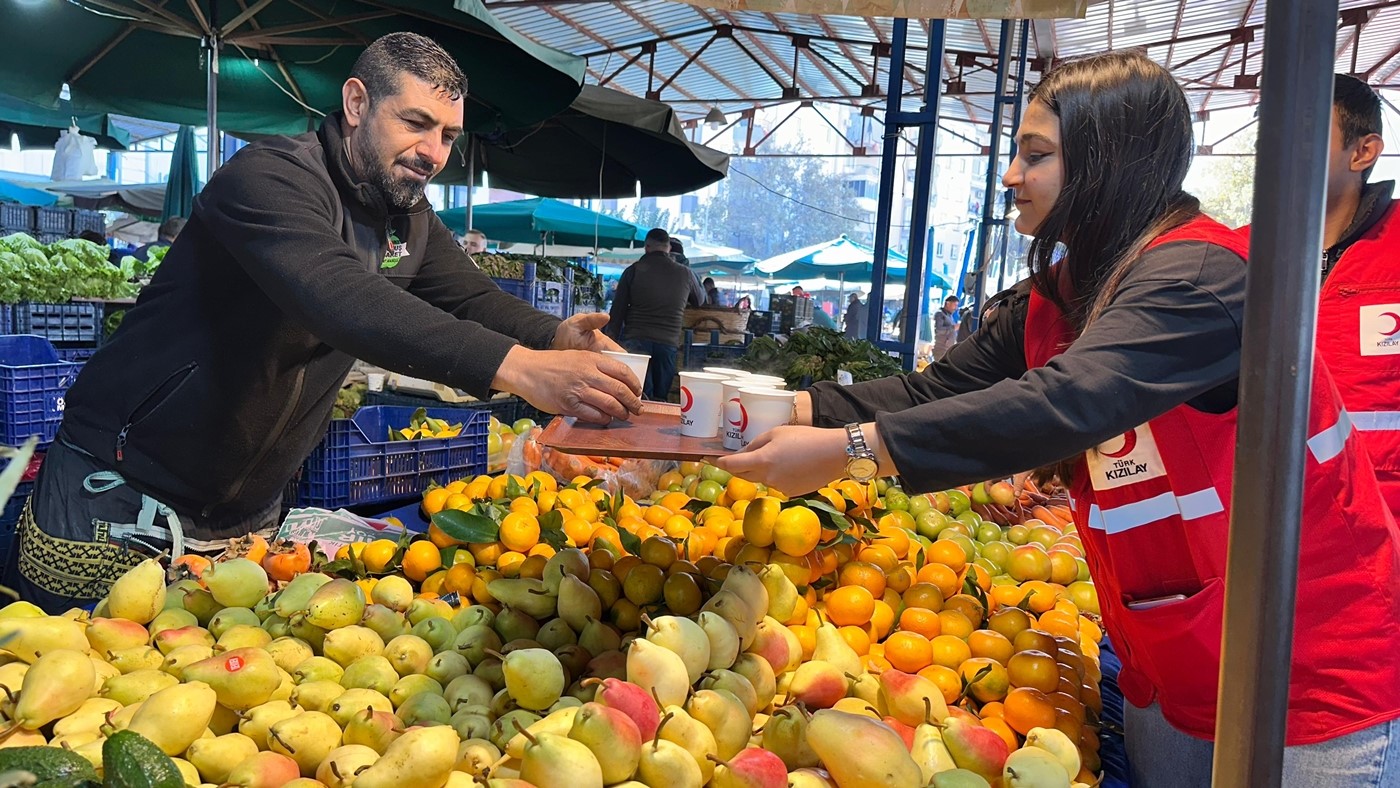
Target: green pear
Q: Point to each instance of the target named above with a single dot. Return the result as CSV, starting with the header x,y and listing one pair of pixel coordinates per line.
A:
x,y
172,618
316,695
558,723
339,768
289,653
278,627
54,686
242,678
137,685
225,720
685,638
136,658
471,724
726,717
534,677
599,637
504,728
748,586
139,594
528,595
236,583
242,636
336,604
386,623
423,609
578,602
176,716
299,627
474,755
570,561
448,666
658,671
553,760
860,750
613,738
184,656
665,764
373,728
409,654
723,637
739,613
959,778
832,648
425,708
413,684
438,633
467,690
230,617
27,638
393,592
782,594
694,736
114,634
420,757
513,625
785,735
255,722
349,643
306,738
555,634
736,684
474,641
473,615
317,669
1032,767
293,597
215,758
354,701
370,672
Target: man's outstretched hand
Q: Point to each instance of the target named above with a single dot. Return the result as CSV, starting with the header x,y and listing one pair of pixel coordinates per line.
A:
x,y
584,332
593,387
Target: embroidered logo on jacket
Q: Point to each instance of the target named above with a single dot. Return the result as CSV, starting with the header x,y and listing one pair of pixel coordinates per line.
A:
x,y
1127,459
395,252
1380,330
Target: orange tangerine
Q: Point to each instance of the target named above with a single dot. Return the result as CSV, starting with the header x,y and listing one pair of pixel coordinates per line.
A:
x,y
377,554
832,497
675,501
941,576
1028,708
875,663
880,555
741,489
947,680
909,651
858,639
440,538
806,636
459,578
579,530
924,622
866,575
948,553
797,531
1002,729
990,644
892,534
519,531
434,500
432,584
881,620
421,559
509,563
677,527
525,505
956,624
543,549
544,481
850,606
486,553
924,595
657,515
901,578
950,652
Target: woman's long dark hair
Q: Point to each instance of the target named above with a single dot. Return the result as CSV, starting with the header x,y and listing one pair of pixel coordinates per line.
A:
x,y
1126,142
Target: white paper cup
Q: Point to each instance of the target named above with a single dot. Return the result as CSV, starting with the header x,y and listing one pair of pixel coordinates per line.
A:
x,y
728,372
763,409
700,403
634,361
374,381
732,424
768,381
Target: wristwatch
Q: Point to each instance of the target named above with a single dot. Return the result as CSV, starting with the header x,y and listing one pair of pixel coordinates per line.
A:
x,y
860,464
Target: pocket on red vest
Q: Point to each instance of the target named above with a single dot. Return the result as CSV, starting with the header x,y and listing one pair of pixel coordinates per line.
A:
x,y
1176,648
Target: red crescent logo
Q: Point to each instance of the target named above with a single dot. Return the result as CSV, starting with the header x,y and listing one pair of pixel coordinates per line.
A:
x,y
1129,443
743,417
687,399
1394,324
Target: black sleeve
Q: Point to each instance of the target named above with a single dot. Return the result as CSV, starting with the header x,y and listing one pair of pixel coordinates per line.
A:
x,y
283,234
451,281
622,299
994,353
1171,334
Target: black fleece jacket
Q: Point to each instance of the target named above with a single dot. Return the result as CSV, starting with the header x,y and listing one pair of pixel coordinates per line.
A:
x,y
221,379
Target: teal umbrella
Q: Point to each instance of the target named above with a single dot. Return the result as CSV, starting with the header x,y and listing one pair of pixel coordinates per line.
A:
x,y
38,126
544,220
181,186
13,192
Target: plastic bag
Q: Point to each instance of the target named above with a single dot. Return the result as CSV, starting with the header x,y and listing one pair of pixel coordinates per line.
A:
x,y
73,156
635,477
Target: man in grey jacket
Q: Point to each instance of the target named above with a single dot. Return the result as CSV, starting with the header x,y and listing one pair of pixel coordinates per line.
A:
x,y
648,311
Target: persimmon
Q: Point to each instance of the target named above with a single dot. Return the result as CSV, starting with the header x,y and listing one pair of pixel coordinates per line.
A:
x,y
286,560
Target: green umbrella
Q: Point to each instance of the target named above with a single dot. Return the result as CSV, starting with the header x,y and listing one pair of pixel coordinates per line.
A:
x,y
543,219
280,65
181,186
38,127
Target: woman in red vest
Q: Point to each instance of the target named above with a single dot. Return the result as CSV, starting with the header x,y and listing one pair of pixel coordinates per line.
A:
x,y
1119,358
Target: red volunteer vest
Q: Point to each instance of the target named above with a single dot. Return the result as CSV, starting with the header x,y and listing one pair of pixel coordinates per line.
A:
x,y
1152,508
1358,335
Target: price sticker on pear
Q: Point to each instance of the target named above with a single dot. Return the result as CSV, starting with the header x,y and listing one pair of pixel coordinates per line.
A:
x,y
701,396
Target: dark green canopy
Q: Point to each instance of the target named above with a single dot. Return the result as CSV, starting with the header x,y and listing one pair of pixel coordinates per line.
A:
x,y
543,219
600,147
39,127
144,58
183,181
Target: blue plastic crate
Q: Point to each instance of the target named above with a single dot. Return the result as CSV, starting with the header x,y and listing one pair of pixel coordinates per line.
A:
x,y
503,408
54,221
77,355
16,218
523,289
76,321
556,298
356,463
33,383
9,518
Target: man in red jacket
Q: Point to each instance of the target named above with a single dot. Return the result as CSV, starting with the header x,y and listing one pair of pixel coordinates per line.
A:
x,y
1358,320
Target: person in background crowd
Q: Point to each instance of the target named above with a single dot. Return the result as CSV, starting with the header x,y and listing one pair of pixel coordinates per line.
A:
x,y
649,307
744,303
1360,295
1121,362
165,236
798,291
302,254
711,292
945,327
474,242
857,315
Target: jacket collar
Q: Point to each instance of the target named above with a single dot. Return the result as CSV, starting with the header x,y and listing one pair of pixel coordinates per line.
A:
x,y
362,192
1375,201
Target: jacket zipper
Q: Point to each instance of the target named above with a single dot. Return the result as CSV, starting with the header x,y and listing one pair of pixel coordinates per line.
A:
x,y
1351,290
141,411
274,436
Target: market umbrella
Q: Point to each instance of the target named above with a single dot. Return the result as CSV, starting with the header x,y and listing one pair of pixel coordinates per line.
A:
x,y
601,146
277,66
180,188
542,219
840,258
25,195
146,200
38,126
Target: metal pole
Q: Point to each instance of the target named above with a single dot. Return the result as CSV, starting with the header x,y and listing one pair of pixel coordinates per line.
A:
x,y
986,237
884,208
213,148
1018,96
1275,379
471,177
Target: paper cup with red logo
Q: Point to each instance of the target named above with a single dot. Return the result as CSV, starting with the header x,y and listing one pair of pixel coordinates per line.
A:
x,y
728,372
634,361
700,403
767,382
764,409
732,425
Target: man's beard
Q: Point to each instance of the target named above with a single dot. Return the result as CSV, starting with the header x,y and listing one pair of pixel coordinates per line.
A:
x,y
404,192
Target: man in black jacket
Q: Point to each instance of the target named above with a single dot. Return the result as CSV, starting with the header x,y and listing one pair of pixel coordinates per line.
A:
x,y
302,255
648,310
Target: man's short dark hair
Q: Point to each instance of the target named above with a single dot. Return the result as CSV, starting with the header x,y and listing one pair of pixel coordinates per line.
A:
x,y
950,298
475,231
659,237
171,227
380,65
676,246
1358,108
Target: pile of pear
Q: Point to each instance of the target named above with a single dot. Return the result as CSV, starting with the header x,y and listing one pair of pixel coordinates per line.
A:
x,y
319,684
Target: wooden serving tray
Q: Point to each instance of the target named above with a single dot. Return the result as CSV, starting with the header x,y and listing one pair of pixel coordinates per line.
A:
x,y
653,434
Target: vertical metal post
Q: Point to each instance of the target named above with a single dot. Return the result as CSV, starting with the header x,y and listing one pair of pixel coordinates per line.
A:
x,y
1275,379
986,238
926,120
213,150
471,178
1018,95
